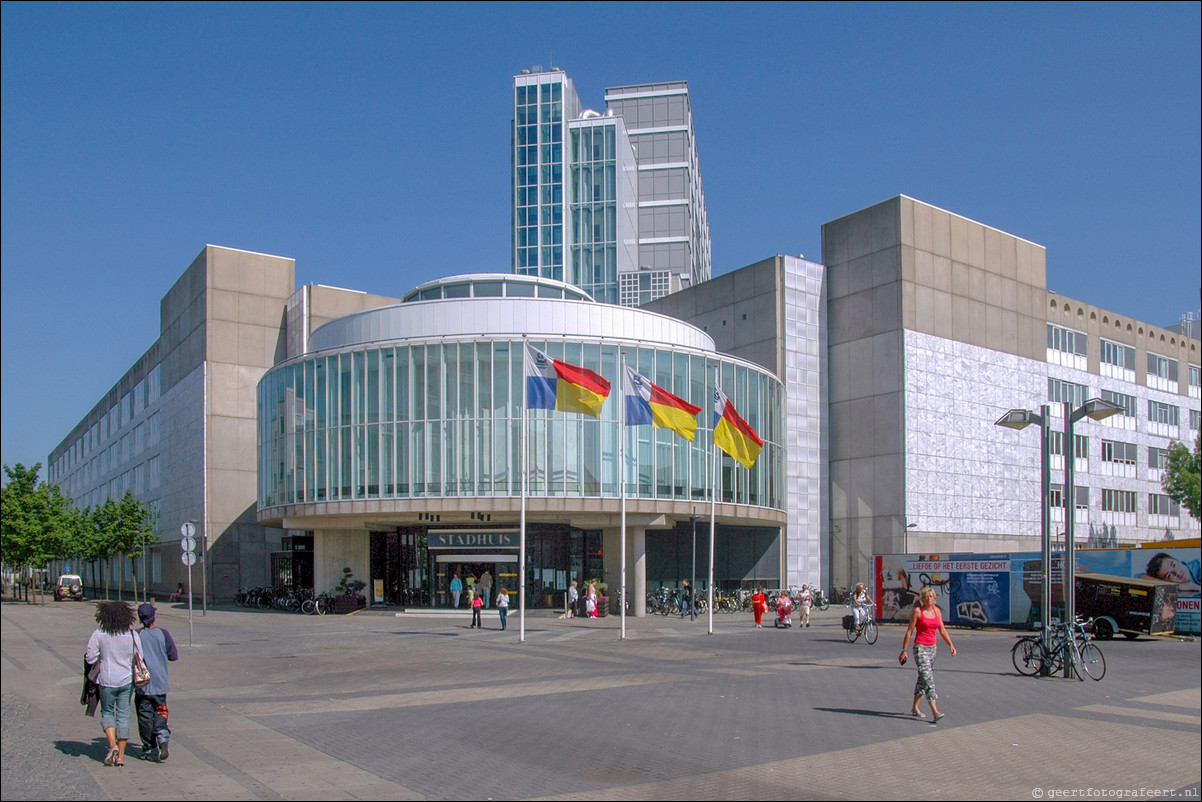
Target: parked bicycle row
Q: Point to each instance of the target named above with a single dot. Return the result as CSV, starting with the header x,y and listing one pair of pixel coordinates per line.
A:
x,y
290,600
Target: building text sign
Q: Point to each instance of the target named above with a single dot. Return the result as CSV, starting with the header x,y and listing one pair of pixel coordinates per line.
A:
x,y
473,540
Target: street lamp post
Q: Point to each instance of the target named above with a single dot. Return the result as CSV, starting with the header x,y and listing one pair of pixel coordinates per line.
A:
x,y
1019,419
693,588
1097,409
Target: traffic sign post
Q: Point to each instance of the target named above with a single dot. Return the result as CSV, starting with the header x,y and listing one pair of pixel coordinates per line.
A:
x,y
187,543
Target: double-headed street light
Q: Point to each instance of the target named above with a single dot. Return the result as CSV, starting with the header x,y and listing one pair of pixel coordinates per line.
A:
x,y
1097,409
1019,419
1094,408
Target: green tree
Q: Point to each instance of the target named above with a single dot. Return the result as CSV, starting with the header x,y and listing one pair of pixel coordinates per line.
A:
x,y
1182,479
123,528
37,522
136,532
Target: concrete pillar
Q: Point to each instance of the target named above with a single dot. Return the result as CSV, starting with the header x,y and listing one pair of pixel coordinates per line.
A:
x,y
636,566
335,549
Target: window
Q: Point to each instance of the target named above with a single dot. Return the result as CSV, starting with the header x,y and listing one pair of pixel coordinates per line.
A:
x,y
1163,367
1158,458
1164,413
1056,497
1115,451
1062,391
1067,347
1121,356
1117,361
1067,340
1056,444
1195,419
1119,500
1127,402
1160,504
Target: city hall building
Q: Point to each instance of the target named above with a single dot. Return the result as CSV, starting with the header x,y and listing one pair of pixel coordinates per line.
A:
x,y
395,440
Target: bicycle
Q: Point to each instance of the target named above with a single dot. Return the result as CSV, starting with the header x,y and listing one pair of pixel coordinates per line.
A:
x,y
1035,655
867,627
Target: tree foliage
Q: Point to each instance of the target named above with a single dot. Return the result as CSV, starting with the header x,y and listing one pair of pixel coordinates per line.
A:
x,y
1182,479
39,524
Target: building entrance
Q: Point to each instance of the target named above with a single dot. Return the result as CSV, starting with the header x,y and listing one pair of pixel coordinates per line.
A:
x,y
481,573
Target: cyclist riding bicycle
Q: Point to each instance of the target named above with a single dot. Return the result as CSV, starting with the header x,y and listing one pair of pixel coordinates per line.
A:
x,y
860,603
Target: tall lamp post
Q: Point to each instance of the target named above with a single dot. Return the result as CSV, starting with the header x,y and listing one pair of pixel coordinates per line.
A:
x,y
1097,409
1094,408
693,588
1019,419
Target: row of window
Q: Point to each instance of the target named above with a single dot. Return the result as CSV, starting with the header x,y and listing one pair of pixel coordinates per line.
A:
x,y
1162,371
1114,501
1061,391
110,425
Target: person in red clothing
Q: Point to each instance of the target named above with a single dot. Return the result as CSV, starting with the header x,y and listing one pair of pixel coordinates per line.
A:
x,y
759,605
926,621
477,603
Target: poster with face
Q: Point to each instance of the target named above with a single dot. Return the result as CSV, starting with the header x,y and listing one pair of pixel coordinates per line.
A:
x,y
1005,589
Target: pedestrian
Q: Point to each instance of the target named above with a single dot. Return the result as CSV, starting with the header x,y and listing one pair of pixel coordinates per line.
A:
x,y
502,605
590,599
486,586
759,605
926,620
805,600
456,589
476,601
113,646
573,599
158,648
179,592
686,598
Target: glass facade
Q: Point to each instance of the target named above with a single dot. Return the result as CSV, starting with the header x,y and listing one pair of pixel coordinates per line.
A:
x,y
443,418
599,197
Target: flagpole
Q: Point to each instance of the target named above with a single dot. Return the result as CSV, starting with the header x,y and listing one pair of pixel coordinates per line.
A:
x,y
713,510
522,524
622,474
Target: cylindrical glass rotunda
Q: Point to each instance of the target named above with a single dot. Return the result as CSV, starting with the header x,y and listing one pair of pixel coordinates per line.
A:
x,y
408,418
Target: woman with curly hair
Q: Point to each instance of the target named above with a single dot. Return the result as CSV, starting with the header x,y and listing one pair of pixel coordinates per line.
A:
x,y
113,645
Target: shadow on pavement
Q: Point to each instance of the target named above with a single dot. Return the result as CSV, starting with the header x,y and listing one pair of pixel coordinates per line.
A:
x,y
97,748
875,713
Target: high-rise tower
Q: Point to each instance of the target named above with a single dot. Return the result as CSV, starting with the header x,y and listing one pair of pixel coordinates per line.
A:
x,y
609,202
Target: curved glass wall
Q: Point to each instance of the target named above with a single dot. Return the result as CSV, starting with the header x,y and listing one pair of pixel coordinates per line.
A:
x,y
443,419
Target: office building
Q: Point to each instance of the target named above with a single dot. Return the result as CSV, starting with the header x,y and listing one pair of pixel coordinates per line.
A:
x,y
937,326
609,202
178,429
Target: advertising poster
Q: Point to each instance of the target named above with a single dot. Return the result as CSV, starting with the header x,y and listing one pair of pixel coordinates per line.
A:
x,y
1004,589
1180,566
970,589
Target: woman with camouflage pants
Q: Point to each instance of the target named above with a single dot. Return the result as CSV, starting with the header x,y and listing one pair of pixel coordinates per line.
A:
x,y
926,621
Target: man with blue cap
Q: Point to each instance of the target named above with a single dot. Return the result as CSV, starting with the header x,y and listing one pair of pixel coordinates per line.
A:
x,y
158,648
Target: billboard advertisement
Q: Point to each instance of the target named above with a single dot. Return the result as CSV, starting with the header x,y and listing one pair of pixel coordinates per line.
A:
x,y
1004,589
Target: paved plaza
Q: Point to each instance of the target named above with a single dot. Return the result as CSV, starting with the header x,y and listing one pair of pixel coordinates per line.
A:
x,y
268,705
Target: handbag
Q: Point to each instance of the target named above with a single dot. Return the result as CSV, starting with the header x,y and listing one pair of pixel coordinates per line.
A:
x,y
141,671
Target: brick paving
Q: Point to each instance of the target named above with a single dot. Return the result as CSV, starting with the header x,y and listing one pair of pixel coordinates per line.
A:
x,y
275,706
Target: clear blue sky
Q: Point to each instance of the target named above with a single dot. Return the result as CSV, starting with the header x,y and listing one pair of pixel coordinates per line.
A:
x,y
370,143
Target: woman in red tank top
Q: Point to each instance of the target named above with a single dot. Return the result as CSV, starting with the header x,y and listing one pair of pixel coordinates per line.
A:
x,y
925,622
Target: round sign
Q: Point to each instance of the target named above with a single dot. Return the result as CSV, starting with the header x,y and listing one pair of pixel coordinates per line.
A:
x,y
187,543
188,558
188,529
